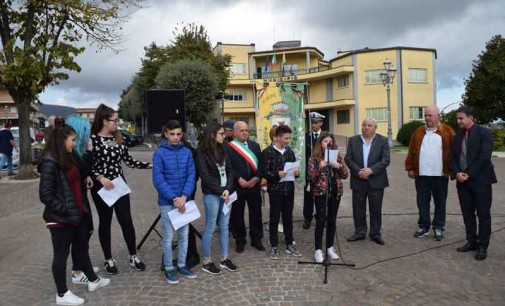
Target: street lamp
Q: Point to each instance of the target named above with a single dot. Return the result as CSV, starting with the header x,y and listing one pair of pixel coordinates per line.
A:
x,y
387,77
6,112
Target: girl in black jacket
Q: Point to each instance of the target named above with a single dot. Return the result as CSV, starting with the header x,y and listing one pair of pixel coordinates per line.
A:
x,y
61,192
217,184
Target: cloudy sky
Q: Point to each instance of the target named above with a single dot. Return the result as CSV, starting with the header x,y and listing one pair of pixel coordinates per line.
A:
x,y
457,29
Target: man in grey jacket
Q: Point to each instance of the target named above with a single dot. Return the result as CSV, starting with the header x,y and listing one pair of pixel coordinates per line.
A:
x,y
367,157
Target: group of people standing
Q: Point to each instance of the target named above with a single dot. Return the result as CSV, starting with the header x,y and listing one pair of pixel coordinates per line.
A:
x,y
436,154
78,157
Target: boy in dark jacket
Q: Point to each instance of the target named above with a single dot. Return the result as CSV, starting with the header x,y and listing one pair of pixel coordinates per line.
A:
x,y
281,194
174,178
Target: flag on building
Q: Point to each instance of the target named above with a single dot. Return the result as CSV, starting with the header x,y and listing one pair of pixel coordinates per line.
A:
x,y
283,58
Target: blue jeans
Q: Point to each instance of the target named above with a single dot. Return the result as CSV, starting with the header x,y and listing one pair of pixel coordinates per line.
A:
x,y
168,235
214,208
4,158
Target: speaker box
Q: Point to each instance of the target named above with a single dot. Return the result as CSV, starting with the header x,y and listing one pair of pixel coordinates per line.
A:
x,y
164,105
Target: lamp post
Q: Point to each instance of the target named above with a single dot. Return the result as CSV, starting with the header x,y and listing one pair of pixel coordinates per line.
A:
x,y
6,112
387,76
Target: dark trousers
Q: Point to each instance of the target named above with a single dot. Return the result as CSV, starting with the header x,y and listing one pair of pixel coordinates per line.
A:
x,y
63,238
87,220
281,203
237,225
124,217
476,199
308,204
359,199
322,220
426,186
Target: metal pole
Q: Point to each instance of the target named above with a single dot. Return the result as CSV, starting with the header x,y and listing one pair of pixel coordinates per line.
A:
x,y
390,131
222,107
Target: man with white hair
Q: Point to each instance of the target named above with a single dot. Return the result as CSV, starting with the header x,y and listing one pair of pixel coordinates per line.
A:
x,y
429,163
368,156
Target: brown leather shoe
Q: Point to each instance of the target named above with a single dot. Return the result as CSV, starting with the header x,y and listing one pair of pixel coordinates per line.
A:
x,y
469,246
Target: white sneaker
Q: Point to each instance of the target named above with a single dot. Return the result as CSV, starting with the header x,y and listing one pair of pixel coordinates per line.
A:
x,y
280,229
332,253
102,282
69,299
318,256
81,279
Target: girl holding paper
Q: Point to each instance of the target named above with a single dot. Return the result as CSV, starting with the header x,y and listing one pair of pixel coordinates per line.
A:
x,y
217,184
174,178
108,152
62,193
326,190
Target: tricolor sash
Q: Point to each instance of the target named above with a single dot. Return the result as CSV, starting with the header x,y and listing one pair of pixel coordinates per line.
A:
x,y
246,153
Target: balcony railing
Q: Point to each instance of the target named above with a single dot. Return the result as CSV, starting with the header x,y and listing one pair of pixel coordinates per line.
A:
x,y
287,73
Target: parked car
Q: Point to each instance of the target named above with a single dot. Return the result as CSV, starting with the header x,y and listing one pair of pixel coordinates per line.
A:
x,y
36,148
127,138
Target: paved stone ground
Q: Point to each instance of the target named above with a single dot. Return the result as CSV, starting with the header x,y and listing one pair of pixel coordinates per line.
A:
x,y
406,271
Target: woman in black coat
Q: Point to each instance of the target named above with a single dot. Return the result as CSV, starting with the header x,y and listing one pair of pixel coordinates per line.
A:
x,y
60,190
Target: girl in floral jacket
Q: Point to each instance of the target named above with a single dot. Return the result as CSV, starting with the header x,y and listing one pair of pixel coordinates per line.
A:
x,y
318,171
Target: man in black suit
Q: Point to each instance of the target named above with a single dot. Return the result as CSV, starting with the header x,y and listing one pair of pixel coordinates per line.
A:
x,y
316,123
471,164
368,156
245,156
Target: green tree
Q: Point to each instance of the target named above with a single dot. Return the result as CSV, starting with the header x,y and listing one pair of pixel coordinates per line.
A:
x,y
199,81
40,42
131,104
190,42
485,89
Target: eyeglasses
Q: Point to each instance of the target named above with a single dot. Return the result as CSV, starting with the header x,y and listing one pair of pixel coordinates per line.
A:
x,y
222,133
113,120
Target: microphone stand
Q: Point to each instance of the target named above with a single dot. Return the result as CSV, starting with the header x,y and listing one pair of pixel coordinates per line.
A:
x,y
327,262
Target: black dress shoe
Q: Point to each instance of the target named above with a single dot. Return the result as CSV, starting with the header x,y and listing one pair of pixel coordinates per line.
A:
x,y
469,246
378,240
481,253
240,247
258,245
306,223
356,237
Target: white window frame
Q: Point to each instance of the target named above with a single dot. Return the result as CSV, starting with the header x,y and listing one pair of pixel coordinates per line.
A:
x,y
343,81
415,110
373,76
378,113
238,68
236,96
418,75
290,68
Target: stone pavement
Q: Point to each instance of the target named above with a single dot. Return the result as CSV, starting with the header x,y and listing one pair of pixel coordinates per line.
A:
x,y
406,271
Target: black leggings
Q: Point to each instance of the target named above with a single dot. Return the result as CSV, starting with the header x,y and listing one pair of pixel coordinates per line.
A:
x,y
124,217
63,238
333,203
87,219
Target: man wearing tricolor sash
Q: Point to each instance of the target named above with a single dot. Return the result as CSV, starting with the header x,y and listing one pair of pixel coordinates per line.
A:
x,y
245,156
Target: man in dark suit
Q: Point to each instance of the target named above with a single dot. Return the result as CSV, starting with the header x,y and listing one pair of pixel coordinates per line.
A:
x,y
368,156
245,156
471,164
316,123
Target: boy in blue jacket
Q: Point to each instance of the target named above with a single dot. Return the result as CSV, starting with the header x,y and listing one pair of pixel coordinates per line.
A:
x,y
174,178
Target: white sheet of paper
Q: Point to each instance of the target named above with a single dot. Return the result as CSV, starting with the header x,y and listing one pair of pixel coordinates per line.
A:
x,y
190,214
111,196
227,207
333,154
290,168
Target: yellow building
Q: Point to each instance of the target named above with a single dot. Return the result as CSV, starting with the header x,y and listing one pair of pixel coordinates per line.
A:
x,y
346,89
